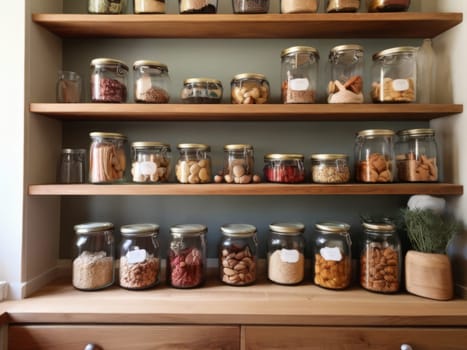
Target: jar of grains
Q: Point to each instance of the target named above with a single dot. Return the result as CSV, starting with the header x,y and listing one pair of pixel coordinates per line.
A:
x,y
346,74
250,6
109,80
149,6
194,163
151,162
299,74
93,256
330,168
284,168
342,5
201,90
387,5
249,88
332,255
374,156
239,163
198,6
237,254
380,259
107,6
286,253
151,82
299,6
186,259
107,157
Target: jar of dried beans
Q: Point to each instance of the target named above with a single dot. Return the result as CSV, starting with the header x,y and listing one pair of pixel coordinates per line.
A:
x,y
149,6
387,5
151,162
284,168
342,5
107,157
299,6
249,88
239,163
151,82
198,6
107,6
250,6
330,168
109,80
201,90
194,164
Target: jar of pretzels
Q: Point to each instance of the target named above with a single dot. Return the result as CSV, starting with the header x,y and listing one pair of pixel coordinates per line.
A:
x,y
107,157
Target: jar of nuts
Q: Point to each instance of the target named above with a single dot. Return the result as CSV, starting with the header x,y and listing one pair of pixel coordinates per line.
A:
x,y
201,90
139,256
151,82
237,254
109,80
151,162
330,168
194,164
380,259
284,168
387,5
249,88
238,163
107,157
332,255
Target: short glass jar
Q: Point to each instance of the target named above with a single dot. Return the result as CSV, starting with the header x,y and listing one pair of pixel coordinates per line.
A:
x,y
93,256
299,6
109,80
72,166
186,259
198,6
342,5
194,164
250,6
374,156
151,162
330,168
107,157
237,254
201,90
394,74
148,6
286,253
151,82
139,256
285,168
346,74
249,88
417,156
239,163
387,5
332,255
107,7
68,87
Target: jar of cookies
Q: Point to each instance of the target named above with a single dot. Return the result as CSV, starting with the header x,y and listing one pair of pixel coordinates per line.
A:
x,y
249,88
151,82
109,81
107,157
239,163
332,255
194,164
151,162
330,168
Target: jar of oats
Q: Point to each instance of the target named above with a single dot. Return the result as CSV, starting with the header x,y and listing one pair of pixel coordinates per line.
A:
x,y
330,168
239,163
194,164
151,162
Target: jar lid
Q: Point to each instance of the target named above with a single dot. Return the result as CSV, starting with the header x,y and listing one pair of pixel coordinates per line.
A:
x,y
395,51
283,156
202,80
93,227
375,132
184,230
150,64
237,147
238,230
383,227
287,228
329,156
139,230
333,227
107,135
300,49
149,144
255,76
105,61
197,146
416,132
73,151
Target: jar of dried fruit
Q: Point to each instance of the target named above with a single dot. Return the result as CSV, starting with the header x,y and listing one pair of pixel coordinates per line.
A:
x,y
249,88
330,168
239,163
342,5
201,90
109,80
151,82
387,5
284,168
107,157
194,163
151,162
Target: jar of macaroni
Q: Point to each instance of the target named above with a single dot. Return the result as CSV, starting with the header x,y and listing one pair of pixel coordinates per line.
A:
x,y
194,164
284,168
249,88
239,163
151,162
109,80
201,90
387,5
330,168
107,157
151,82
342,5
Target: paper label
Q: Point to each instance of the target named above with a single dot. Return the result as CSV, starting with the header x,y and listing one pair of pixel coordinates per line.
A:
x,y
299,84
289,255
331,254
400,84
147,168
136,256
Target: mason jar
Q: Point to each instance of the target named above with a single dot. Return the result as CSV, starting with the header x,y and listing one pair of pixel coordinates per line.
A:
x,y
72,166
284,168
342,5
294,6
93,256
151,162
239,163
286,253
194,164
237,254
330,168
201,90
151,82
250,6
199,6
139,256
107,157
249,88
107,7
148,6
387,5
109,80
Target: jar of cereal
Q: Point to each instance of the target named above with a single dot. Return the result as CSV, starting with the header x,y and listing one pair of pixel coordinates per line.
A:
x,y
238,163
194,164
249,88
107,157
151,162
109,80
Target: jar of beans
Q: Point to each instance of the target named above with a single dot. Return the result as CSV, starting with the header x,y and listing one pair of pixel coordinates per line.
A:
x,y
194,164
249,88
107,157
387,5
186,259
151,162
342,5
151,82
299,6
237,254
330,168
201,90
109,80
284,168
198,6
238,163
250,6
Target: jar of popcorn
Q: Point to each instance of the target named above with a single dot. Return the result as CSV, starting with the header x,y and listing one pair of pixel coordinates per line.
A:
x,y
151,162
194,164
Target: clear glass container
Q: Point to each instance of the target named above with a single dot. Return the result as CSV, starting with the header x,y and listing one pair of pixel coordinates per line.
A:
x,y
72,166
107,157
186,259
395,75
109,80
342,5
299,6
250,6
151,162
332,255
237,254
387,5
68,87
198,6
346,74
249,88
93,256
148,6
417,156
239,163
107,6
201,90
374,156
284,168
330,168
151,82
194,164
286,253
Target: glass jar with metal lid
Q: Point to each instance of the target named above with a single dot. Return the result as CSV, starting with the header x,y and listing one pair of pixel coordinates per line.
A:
x,y
299,74
417,155
380,259
107,6
72,166
239,163
299,6
186,259
250,6
342,5
237,254
286,253
330,168
284,168
151,82
194,164
394,75
93,256
332,255
107,157
387,5
149,6
346,74
201,90
139,256
109,80
198,6
151,162
249,88
374,156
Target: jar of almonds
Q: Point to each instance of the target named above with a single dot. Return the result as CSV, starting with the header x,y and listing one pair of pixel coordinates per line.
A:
x,y
194,164
151,162
238,163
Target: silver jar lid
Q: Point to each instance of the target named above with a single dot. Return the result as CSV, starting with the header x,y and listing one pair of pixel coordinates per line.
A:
x,y
238,230
139,230
93,227
287,228
300,49
416,132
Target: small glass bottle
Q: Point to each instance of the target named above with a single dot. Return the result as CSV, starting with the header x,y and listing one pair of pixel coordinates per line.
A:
x,y
286,253
151,162
387,5
284,168
201,90
151,82
249,88
93,256
148,6
301,6
72,166
237,254
107,157
239,163
250,6
330,168
198,6
194,164
109,80
342,5
107,6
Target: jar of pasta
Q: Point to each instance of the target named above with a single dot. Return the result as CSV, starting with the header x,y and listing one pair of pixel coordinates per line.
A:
x,y
194,164
107,157
249,88
151,82
151,162
239,163
109,80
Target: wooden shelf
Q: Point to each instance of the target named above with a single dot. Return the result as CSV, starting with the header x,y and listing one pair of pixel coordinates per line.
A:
x,y
316,25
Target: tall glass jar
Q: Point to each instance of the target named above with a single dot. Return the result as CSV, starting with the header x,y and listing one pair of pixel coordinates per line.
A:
x,y
151,82
330,168
387,5
109,80
201,90
72,166
299,74
198,6
151,162
93,256
346,70
250,6
299,6
249,88
284,168
332,255
237,254
239,163
107,157
374,156
139,256
342,5
107,6
286,253
194,164
149,6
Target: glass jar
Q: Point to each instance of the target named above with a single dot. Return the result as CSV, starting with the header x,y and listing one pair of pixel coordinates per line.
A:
x,y
249,88
139,256
250,6
237,254
330,168
416,156
387,5
284,168
93,256
332,255
346,70
149,6
109,80
151,162
201,90
107,6
286,253
194,164
107,157
186,259
72,166
239,163
299,74
299,6
151,82
395,75
374,156
342,5
380,259
68,87
198,6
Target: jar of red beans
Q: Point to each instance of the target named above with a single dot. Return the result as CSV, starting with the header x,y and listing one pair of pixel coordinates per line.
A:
x,y
109,80
284,168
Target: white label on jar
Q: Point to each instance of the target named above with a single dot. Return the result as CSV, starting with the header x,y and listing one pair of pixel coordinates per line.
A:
x,y
289,255
299,84
147,168
331,254
400,84
136,256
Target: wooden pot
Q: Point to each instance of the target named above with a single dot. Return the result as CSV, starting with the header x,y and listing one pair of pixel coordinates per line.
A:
x,y
429,275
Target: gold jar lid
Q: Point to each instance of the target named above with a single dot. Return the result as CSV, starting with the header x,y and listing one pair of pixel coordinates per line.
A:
x,y
395,51
287,228
202,81
107,135
341,49
379,227
300,49
283,156
151,64
139,230
238,230
194,146
245,76
416,132
150,144
333,227
188,230
329,156
237,147
93,227
375,132
108,61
